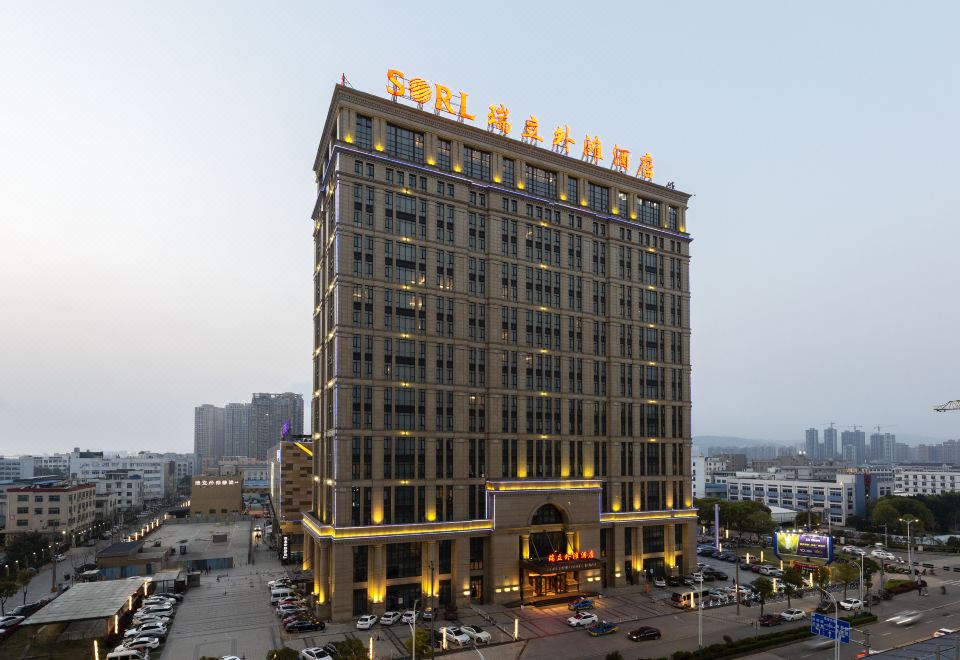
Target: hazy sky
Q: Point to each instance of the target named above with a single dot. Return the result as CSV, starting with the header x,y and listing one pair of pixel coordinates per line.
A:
x,y
156,188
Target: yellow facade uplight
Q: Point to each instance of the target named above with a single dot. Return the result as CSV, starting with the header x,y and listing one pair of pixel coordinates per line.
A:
x,y
520,185
497,179
457,168
583,202
431,161
378,147
633,216
348,138
563,197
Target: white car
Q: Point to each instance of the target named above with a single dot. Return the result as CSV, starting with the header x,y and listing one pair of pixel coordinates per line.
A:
x,y
151,618
905,618
659,582
9,621
944,631
282,582
366,622
477,634
455,636
389,618
154,629
142,641
582,619
792,614
315,653
60,558
162,602
851,604
409,616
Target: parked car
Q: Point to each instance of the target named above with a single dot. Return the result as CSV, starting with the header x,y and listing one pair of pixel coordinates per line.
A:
x,y
792,614
905,618
314,653
11,621
770,620
659,582
389,618
301,625
455,636
602,628
646,632
580,603
409,616
142,641
581,619
170,594
851,604
673,580
150,618
366,622
719,575
428,613
825,607
477,634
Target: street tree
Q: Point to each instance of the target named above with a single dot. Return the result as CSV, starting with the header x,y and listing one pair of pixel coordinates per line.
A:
x,y
23,581
283,653
845,573
764,587
8,589
792,582
424,649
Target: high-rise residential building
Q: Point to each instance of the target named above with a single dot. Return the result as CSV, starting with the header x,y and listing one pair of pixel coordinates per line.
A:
x,y
813,444
208,432
268,415
236,429
829,444
501,367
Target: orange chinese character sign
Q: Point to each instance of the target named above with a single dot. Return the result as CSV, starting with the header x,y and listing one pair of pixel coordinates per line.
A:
x,y
621,159
645,171
562,139
531,130
497,119
592,149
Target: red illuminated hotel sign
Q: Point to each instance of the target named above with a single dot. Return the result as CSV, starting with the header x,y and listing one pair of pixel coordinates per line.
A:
x,y
555,557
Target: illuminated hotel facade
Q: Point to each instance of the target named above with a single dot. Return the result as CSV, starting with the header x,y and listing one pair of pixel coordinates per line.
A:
x,y
501,405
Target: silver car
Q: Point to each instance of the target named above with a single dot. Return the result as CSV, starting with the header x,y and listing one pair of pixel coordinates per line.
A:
x,y
905,618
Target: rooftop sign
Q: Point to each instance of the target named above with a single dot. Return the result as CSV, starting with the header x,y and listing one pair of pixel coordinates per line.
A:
x,y
445,101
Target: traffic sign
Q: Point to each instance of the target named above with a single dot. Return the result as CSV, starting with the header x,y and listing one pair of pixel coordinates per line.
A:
x,y
827,626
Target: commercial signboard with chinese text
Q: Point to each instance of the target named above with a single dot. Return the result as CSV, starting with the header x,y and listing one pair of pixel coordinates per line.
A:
x,y
803,544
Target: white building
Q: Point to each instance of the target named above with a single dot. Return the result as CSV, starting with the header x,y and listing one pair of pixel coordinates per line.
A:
x,y
841,496
925,480
698,473
126,485
11,468
159,473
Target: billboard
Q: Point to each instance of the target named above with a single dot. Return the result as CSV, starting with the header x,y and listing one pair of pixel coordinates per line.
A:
x,y
803,544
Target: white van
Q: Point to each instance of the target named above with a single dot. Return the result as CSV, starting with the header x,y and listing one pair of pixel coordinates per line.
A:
x,y
276,595
121,653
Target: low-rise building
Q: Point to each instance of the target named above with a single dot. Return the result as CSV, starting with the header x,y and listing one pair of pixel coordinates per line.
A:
x,y
127,485
925,479
291,492
159,473
842,497
212,497
64,509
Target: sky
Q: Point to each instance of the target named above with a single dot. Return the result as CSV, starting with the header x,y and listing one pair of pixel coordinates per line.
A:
x,y
156,191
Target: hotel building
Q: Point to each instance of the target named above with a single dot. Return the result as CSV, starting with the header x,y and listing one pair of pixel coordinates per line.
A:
x,y
501,406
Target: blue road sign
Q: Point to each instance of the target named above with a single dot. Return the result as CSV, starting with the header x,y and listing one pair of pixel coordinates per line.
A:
x,y
826,626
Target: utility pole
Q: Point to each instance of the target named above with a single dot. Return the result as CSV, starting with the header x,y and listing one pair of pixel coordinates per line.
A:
x,y
737,584
909,522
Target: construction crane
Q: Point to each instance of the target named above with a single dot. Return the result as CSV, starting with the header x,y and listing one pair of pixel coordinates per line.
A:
x,y
949,405
883,426
856,427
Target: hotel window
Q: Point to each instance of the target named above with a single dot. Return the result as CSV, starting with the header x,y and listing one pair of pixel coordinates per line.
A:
x,y
541,182
508,173
648,211
598,197
443,157
364,132
673,214
404,143
476,164
573,194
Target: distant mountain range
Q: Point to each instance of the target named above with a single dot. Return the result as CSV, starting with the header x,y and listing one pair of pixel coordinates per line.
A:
x,y
735,441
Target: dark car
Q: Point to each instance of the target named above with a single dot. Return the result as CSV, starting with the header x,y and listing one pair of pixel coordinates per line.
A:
x,y
719,575
771,620
332,649
708,577
646,632
301,625
826,607
673,580
686,580
29,608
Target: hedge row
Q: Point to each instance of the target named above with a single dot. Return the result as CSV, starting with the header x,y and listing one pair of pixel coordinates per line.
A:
x,y
750,644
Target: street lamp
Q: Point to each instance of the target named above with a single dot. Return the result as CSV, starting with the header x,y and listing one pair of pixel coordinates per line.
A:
x,y
700,611
836,623
413,631
909,521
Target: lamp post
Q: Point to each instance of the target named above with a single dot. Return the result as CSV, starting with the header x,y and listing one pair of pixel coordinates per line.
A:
x,y
413,631
700,611
836,624
909,521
